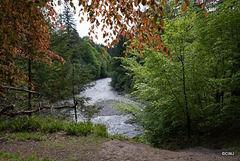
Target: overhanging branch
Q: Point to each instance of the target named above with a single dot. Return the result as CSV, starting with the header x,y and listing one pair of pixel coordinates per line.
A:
x,y
21,89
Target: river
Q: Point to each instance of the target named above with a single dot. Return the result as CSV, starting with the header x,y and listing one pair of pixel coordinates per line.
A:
x,y
102,94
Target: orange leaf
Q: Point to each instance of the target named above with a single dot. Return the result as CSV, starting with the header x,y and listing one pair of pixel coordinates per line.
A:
x,y
141,54
206,14
164,2
176,1
184,8
119,17
125,54
198,2
162,22
187,2
123,33
202,6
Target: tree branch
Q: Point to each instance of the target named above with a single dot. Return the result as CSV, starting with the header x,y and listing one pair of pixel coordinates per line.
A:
x,y
21,89
7,108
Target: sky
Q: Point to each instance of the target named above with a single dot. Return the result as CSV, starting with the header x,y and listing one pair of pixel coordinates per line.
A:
x,y
83,28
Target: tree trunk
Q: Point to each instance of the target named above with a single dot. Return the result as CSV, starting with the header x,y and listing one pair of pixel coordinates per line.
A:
x,y
185,98
73,94
29,84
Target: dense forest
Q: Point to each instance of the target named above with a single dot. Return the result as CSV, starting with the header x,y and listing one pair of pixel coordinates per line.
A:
x,y
180,59
58,80
195,93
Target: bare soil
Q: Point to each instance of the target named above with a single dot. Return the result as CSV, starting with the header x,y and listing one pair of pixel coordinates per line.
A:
x,y
62,147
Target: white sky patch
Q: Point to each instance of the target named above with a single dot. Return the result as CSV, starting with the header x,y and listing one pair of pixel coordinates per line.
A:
x,y
83,28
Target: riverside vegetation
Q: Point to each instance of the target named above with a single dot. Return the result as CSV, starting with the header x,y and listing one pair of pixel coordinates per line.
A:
x,y
41,129
192,99
187,74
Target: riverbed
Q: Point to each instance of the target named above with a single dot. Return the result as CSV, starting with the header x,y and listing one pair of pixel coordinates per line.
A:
x,y
103,95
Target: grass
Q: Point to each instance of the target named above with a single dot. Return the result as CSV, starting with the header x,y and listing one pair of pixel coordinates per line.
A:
x,y
54,134
22,136
17,157
48,125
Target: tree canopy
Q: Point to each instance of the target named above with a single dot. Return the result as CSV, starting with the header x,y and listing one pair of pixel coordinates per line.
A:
x,y
25,28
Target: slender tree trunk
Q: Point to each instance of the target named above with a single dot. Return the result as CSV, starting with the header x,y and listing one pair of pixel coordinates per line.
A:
x,y
185,98
73,93
29,84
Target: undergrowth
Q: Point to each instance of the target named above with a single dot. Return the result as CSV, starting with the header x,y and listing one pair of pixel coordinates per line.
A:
x,y
48,125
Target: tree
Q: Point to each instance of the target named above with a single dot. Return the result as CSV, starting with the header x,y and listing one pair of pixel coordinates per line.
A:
x,y
120,80
24,33
192,93
32,19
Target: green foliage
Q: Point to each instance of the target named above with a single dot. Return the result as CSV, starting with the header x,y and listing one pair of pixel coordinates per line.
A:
x,y
79,128
85,128
45,125
100,130
120,80
119,137
131,107
51,125
200,86
83,62
23,136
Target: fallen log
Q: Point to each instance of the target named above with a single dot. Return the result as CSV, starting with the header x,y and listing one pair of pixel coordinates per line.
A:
x,y
12,114
7,108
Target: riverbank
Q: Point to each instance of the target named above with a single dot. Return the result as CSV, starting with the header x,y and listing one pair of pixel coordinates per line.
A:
x,y
53,139
61,147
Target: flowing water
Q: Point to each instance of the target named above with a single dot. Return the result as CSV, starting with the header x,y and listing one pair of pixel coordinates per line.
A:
x,y
103,95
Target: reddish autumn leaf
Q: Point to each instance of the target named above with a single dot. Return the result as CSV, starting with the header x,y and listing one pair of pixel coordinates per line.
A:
x,y
141,54
187,2
198,2
162,22
119,17
164,2
206,14
184,8
37,17
22,20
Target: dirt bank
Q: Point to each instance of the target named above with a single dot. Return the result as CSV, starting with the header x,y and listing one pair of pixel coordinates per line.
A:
x,y
89,148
